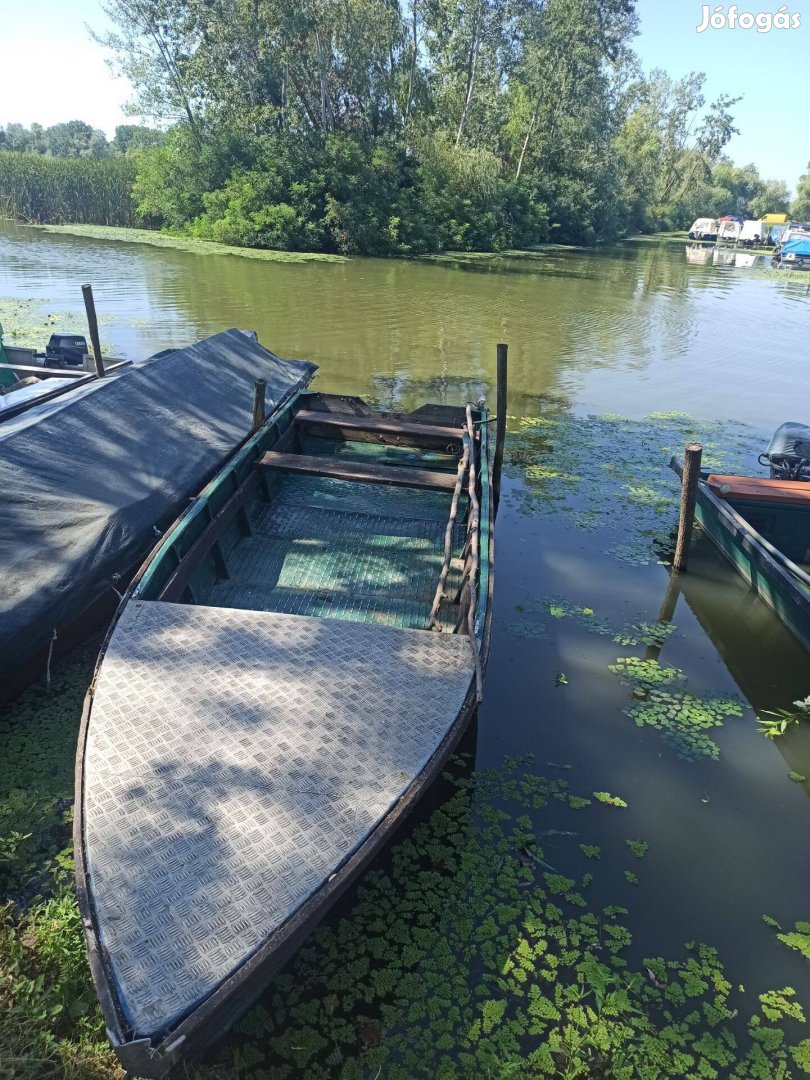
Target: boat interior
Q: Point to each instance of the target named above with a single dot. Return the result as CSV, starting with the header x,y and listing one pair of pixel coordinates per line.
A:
x,y
776,509
339,512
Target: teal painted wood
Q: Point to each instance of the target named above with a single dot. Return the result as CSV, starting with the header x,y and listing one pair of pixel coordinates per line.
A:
x,y
757,562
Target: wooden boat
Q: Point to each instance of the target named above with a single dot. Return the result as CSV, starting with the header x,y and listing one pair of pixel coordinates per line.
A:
x,y
288,672
762,525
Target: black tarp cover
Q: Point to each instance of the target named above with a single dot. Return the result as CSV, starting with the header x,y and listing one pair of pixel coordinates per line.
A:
x,y
83,485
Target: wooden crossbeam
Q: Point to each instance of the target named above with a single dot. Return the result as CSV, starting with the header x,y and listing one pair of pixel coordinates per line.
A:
x,y
387,429
359,472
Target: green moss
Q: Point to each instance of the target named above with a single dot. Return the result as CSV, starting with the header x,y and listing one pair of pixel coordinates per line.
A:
x,y
186,243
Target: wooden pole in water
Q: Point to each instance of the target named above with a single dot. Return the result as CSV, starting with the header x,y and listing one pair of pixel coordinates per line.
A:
x,y
92,322
500,423
689,483
258,403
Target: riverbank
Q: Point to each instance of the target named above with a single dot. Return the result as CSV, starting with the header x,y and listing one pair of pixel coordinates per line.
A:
x,y
185,243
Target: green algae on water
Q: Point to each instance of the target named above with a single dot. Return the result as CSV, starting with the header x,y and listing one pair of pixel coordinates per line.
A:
x,y
611,472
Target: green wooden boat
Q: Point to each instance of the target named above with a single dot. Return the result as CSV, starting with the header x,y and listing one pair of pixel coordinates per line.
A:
x,y
289,671
762,526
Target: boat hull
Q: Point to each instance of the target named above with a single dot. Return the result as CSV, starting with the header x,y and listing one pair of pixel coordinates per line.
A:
x,y
749,553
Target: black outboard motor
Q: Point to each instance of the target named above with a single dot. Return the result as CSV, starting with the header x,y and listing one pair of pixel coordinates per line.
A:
x,y
789,452
65,350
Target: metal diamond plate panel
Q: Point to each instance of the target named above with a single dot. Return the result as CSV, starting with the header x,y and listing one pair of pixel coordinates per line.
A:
x,y
234,760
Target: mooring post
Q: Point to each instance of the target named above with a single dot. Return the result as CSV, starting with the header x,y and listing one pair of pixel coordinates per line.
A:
x,y
689,484
92,322
500,423
259,388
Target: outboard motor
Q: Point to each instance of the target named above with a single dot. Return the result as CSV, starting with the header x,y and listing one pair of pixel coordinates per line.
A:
x,y
65,350
788,454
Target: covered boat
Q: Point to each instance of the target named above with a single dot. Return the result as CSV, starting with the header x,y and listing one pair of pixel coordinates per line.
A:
x,y
793,252
90,476
703,229
289,671
762,525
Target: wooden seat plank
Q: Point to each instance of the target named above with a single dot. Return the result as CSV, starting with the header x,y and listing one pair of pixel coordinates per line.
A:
x,y
383,426
359,471
761,489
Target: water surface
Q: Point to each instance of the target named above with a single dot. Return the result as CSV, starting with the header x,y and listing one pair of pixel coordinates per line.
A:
x,y
633,329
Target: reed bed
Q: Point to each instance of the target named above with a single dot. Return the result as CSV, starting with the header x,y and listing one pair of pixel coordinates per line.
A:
x,y
93,191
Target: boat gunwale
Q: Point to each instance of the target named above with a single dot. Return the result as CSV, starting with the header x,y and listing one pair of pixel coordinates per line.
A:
x,y
235,994
792,582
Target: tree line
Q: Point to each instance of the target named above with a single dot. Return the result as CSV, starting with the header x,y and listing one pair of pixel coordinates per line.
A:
x,y
402,126
76,139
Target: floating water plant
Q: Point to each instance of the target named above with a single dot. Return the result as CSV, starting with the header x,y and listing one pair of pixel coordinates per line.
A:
x,y
797,777
630,490
798,938
645,633
609,800
465,959
638,847
663,703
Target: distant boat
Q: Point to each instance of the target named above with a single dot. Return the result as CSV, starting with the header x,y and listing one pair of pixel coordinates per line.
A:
x,y
704,229
291,669
762,525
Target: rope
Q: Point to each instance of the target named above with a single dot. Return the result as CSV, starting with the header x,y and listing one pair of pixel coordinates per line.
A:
x,y
48,662
473,527
448,537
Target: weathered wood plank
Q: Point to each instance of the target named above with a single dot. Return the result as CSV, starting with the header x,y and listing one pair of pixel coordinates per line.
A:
x,y
386,428
359,471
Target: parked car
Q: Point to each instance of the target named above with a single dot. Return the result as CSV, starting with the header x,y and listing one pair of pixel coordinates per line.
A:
x,y
703,228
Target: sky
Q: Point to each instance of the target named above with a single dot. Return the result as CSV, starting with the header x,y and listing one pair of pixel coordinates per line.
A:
x,y
52,71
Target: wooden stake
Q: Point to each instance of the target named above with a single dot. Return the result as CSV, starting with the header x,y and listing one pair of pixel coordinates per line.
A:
x,y
258,403
500,423
92,322
689,483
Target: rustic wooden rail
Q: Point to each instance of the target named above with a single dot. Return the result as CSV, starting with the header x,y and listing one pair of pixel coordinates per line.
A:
x,y
448,535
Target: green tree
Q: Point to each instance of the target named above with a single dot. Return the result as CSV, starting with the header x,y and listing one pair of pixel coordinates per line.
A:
x,y
800,207
129,138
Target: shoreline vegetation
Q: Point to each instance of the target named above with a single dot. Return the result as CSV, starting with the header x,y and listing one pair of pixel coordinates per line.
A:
x,y
391,129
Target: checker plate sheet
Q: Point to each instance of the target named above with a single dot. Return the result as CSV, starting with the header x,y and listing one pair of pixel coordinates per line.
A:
x,y
234,760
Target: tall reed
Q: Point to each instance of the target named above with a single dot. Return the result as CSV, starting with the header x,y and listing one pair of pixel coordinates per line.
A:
x,y
56,191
